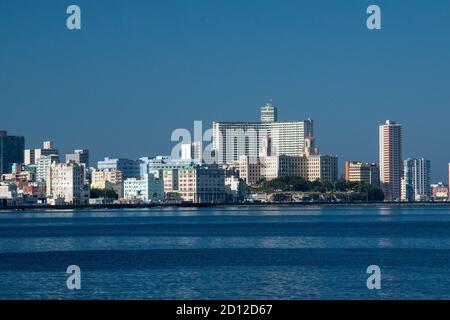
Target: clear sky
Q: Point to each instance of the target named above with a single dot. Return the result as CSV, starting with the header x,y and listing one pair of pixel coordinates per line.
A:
x,y
139,69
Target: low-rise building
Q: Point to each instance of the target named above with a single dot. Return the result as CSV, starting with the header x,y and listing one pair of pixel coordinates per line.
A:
x,y
9,195
310,167
439,192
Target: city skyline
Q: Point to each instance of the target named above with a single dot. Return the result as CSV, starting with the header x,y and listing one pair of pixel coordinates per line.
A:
x,y
146,62
342,164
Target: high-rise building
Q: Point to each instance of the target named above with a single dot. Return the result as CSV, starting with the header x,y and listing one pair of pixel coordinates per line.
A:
x,y
391,165
31,156
269,113
234,139
80,156
11,151
417,179
364,172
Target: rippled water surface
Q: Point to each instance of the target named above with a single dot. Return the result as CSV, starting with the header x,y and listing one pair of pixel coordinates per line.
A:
x,y
227,253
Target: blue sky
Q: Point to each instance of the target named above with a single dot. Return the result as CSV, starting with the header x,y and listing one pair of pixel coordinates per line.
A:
x,y
139,69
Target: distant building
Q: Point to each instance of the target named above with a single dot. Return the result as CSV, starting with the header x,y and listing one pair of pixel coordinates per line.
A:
x,y
310,165
391,165
129,168
322,167
147,188
9,195
439,192
100,176
43,165
67,184
269,113
449,178
234,189
31,156
170,178
191,152
158,163
80,156
231,140
11,151
108,180
200,184
364,172
416,177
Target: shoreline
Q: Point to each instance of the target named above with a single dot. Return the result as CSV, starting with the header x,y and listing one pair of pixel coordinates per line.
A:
x,y
190,205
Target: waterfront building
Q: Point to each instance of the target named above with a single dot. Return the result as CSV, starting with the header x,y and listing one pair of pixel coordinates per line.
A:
x,y
144,189
35,190
310,165
80,156
417,179
201,184
391,167
66,183
439,192
316,167
364,172
170,179
9,195
31,156
11,151
234,139
405,193
129,168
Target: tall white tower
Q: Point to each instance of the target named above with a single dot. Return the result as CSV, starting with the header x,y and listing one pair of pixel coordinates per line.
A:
x,y
391,165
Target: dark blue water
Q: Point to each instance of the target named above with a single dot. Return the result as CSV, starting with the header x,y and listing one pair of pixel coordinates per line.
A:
x,y
227,253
